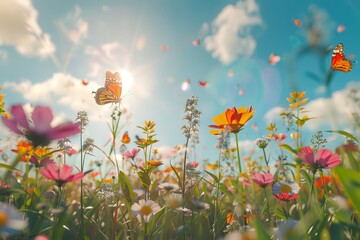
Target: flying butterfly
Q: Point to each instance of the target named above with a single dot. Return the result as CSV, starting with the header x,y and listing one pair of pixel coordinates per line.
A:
x,y
111,92
338,60
125,138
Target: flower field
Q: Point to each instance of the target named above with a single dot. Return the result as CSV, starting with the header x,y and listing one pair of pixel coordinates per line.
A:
x,y
305,191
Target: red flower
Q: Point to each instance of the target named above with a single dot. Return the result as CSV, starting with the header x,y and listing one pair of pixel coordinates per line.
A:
x,y
320,181
61,176
40,132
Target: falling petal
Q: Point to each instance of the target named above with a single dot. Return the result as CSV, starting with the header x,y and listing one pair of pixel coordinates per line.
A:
x,y
298,22
185,85
203,83
255,127
196,42
340,28
274,59
241,92
165,48
230,74
84,82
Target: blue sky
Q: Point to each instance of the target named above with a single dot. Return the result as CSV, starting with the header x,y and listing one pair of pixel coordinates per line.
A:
x,y
48,47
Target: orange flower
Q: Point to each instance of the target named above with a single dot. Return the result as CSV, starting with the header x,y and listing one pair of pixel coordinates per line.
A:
x,y
212,166
155,163
229,217
320,181
232,120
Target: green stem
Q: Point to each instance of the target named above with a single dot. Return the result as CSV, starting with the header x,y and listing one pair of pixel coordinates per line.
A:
x,y
238,152
266,161
267,205
183,184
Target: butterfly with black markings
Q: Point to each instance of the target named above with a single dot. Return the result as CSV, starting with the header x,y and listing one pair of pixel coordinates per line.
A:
x,y
338,60
111,92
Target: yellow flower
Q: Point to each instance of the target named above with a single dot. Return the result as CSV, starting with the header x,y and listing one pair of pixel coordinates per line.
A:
x,y
297,100
155,163
232,120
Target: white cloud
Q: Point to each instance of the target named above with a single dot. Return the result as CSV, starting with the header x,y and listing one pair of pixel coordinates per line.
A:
x,y
19,28
63,89
334,112
232,31
73,26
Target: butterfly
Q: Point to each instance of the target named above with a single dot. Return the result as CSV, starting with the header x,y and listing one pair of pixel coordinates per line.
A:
x,y
111,92
338,60
125,138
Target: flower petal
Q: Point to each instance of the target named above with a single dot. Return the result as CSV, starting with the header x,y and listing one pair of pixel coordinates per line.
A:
x,y
42,118
63,130
65,172
326,159
307,155
19,116
12,125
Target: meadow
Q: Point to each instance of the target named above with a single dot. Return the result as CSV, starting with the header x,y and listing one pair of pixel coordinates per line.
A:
x,y
308,191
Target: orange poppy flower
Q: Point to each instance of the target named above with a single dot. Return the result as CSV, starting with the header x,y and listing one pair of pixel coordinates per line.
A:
x,y
232,120
322,180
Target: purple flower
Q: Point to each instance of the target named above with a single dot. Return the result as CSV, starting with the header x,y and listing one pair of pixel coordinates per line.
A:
x,y
38,130
38,162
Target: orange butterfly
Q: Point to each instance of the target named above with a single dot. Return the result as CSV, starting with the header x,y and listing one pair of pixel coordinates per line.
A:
x,y
112,91
125,138
338,61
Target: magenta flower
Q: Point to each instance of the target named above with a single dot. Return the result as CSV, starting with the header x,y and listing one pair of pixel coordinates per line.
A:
x,y
324,158
38,130
131,154
263,179
61,176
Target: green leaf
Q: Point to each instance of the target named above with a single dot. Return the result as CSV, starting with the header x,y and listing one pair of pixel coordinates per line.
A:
x,y
344,133
288,148
351,182
126,187
8,167
145,179
213,176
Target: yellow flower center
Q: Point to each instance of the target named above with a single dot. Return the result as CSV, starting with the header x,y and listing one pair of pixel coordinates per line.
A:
x,y
3,218
145,210
285,188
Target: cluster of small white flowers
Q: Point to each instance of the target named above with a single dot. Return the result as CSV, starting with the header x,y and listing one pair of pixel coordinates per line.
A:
x,y
83,119
192,115
88,145
64,144
263,142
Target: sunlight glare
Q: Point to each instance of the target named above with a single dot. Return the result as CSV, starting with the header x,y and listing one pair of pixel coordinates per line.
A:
x,y
127,80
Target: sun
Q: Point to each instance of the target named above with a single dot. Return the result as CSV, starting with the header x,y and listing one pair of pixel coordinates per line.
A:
x,y
127,80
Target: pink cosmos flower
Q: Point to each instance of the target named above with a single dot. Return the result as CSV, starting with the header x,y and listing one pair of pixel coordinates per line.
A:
x,y
324,158
61,176
263,179
39,131
131,154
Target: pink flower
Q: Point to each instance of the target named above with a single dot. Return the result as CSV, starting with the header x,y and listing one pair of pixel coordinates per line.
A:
x,y
39,132
263,179
324,158
61,176
131,154
40,163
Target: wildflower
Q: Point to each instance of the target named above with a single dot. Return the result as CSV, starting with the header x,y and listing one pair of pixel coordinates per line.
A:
x,y
297,100
83,120
145,209
285,190
64,144
155,163
168,186
2,104
229,218
60,176
350,146
321,181
262,142
324,158
40,162
11,220
279,137
263,179
232,120
88,145
213,166
192,165
41,237
192,115
173,201
131,154
40,132
198,205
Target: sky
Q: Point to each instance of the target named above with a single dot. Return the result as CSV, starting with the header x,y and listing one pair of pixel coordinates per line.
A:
x,y
47,48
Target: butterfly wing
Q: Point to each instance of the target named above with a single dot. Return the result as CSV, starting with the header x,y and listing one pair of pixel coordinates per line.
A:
x,y
125,138
338,60
111,93
343,65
